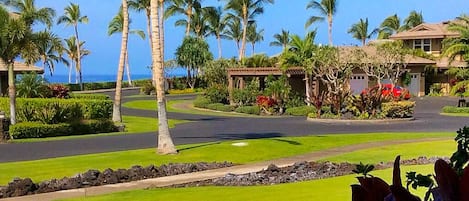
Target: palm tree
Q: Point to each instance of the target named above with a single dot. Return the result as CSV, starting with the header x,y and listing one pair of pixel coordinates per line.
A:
x,y
29,12
50,49
165,143
234,32
360,31
246,10
458,46
389,26
184,7
216,23
143,5
326,8
199,22
71,51
116,26
415,18
16,40
116,110
73,17
254,36
281,39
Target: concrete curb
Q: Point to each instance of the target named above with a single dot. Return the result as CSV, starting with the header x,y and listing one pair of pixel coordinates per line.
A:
x,y
209,174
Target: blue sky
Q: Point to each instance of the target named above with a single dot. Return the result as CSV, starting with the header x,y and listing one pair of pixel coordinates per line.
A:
x,y
287,14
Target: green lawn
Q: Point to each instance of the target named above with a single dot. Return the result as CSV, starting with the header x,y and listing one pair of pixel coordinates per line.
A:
x,y
456,114
332,189
257,150
133,125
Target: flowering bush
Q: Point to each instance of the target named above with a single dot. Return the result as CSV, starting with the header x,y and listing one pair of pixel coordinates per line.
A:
x,y
58,91
266,102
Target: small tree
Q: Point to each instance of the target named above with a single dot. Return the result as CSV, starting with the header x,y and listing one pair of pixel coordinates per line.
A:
x,y
392,56
193,54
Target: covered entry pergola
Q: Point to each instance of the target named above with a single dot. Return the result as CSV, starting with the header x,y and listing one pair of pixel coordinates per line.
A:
x,y
237,77
19,68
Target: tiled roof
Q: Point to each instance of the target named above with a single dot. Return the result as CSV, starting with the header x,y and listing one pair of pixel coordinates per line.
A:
x,y
445,63
426,30
21,67
372,51
264,71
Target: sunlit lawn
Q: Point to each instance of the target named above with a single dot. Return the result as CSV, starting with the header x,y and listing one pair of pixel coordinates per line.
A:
x,y
257,150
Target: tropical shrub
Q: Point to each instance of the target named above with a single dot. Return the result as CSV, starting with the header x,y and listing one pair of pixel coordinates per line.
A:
x,y
459,89
246,96
401,109
58,91
182,91
300,111
220,107
266,103
201,102
454,109
31,85
90,96
147,88
217,94
216,69
436,90
40,130
58,110
249,110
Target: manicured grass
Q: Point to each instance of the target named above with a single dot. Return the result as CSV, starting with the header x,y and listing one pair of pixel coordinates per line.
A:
x,y
172,107
257,150
456,114
407,151
332,189
133,125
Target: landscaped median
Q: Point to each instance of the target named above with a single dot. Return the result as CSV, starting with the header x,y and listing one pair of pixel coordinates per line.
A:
x,y
265,149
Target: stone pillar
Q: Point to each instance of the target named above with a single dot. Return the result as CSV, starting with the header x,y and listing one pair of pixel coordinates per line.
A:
x,y
230,89
241,83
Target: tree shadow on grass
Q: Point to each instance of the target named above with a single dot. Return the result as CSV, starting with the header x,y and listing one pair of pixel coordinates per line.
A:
x,y
198,146
287,141
247,136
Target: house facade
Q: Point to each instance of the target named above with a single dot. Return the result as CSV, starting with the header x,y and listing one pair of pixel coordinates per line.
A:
x,y
429,37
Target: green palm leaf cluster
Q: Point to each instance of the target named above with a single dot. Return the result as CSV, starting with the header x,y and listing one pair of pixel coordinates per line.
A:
x,y
459,46
360,31
392,24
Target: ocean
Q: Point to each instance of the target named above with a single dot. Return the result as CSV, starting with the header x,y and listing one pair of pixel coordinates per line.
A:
x,y
63,79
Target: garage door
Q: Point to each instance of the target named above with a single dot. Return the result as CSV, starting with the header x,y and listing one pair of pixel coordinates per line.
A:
x,y
358,83
414,87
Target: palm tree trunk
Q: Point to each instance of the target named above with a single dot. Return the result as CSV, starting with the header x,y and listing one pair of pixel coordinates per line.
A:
x,y
150,40
219,47
165,143
127,68
116,110
78,64
12,92
70,73
242,52
330,30
363,41
162,27
253,49
189,19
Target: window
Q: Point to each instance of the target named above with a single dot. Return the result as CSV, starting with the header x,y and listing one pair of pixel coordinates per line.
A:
x,y
423,44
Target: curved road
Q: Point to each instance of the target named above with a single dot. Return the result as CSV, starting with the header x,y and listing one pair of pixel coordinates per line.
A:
x,y
215,128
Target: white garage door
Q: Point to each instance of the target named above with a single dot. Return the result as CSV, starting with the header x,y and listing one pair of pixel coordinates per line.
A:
x,y
414,87
358,83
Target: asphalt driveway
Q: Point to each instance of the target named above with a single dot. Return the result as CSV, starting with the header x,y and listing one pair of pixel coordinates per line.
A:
x,y
216,128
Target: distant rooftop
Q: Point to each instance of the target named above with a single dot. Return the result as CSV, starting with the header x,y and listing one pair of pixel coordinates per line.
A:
x,y
21,68
426,30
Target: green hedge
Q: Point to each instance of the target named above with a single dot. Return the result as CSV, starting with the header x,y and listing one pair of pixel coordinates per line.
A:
x,y
220,107
90,96
104,85
300,111
249,110
201,102
401,109
40,130
54,110
454,109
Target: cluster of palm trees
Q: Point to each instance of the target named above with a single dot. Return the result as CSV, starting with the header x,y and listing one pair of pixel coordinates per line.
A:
x,y
391,25
19,40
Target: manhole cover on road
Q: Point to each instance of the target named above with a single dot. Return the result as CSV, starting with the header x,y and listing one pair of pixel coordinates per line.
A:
x,y
240,144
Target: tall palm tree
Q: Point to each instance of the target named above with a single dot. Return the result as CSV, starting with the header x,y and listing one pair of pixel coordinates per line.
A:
x,y
199,22
27,9
73,17
326,8
165,143
254,36
234,32
216,23
282,39
71,51
116,110
51,49
139,6
16,40
360,31
415,18
116,26
184,7
389,26
246,10
458,46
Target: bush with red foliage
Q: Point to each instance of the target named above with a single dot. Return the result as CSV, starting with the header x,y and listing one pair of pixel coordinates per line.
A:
x,y
59,91
266,102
